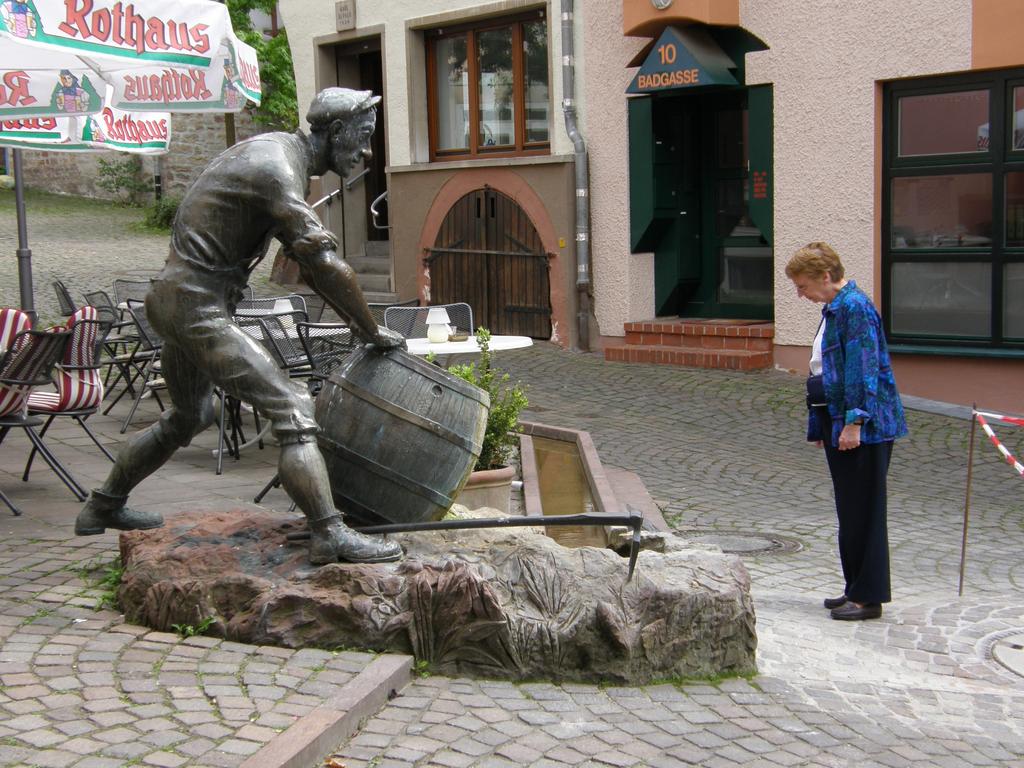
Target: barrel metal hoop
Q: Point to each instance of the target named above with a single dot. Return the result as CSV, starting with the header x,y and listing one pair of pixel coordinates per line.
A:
x,y
363,462
406,415
440,376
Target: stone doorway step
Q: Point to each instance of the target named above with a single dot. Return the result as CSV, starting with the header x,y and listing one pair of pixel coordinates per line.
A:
x,y
738,345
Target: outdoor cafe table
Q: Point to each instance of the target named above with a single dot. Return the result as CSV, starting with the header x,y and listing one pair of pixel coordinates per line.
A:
x,y
422,346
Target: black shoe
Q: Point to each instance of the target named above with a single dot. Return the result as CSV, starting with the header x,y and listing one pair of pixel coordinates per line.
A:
x,y
103,511
835,602
339,542
853,612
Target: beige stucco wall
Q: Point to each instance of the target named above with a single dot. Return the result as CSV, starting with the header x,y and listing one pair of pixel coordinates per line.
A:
x,y
825,60
404,65
623,282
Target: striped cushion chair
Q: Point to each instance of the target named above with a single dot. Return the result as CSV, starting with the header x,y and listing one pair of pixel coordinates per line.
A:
x,y
27,364
78,379
12,322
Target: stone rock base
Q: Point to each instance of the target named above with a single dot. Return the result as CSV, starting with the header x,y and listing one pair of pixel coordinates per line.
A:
x,y
507,603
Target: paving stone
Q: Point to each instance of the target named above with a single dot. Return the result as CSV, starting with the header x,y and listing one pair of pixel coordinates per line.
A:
x,y
164,760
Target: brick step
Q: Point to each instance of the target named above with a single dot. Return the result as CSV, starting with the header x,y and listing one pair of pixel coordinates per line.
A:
x,y
370,265
379,249
691,356
705,334
369,283
380,297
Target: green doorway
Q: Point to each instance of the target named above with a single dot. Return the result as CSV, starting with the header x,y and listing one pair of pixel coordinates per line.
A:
x,y
708,220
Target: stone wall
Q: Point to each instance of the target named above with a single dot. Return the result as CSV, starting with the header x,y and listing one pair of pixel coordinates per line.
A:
x,y
195,140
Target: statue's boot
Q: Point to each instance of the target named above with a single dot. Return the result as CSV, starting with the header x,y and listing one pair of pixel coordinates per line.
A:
x,y
104,511
331,541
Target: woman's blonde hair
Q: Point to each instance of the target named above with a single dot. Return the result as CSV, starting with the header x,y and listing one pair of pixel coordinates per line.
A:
x,y
815,260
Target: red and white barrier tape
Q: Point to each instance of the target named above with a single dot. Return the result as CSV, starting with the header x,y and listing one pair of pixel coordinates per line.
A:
x,y
980,416
1018,420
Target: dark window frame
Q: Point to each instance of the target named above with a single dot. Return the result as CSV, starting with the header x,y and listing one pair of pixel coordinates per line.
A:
x,y
521,147
998,160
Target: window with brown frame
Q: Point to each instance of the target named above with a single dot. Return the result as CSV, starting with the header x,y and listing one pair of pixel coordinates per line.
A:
x,y
488,89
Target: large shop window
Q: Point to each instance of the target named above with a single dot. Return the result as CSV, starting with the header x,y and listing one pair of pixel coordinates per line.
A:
x,y
488,89
953,254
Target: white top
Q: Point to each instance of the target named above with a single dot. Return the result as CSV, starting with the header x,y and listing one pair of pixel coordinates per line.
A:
x,y
816,350
421,346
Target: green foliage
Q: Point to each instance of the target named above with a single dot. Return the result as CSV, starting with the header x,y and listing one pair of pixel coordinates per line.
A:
x,y
421,668
278,108
107,584
160,214
507,402
190,630
121,178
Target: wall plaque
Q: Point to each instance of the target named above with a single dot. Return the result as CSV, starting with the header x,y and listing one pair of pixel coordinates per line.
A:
x,y
345,14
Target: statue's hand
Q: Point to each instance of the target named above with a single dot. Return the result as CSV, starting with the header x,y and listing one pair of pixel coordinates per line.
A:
x,y
386,339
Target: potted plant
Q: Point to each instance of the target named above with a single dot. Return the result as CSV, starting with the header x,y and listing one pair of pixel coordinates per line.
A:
x,y
490,483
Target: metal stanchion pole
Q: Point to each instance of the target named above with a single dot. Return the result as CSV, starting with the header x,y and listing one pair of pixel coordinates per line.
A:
x,y
967,498
24,253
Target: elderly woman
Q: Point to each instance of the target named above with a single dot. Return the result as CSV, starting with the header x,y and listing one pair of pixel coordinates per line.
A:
x,y
856,414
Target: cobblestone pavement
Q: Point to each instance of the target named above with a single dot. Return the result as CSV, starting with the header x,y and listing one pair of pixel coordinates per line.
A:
x,y
723,456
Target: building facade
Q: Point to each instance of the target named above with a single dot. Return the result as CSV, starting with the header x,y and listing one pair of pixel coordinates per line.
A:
x,y
720,136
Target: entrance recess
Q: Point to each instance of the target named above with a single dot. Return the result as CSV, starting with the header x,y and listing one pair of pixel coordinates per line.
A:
x,y
488,253
701,200
359,66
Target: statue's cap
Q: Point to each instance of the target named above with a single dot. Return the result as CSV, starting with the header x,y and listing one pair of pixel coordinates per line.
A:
x,y
332,103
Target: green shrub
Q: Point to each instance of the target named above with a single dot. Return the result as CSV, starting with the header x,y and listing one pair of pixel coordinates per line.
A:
x,y
507,401
121,178
160,214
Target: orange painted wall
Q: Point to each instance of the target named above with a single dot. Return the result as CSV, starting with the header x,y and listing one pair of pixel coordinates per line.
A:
x,y
998,29
641,18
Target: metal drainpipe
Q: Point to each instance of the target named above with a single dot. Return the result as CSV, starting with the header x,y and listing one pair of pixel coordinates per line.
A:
x,y
582,179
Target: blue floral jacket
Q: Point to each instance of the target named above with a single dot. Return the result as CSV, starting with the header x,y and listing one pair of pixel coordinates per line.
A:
x,y
857,372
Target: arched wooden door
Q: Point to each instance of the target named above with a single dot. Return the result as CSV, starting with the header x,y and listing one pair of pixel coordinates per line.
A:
x,y
488,254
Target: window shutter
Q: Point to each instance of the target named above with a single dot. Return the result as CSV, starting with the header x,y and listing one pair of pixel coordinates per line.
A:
x,y
762,181
641,174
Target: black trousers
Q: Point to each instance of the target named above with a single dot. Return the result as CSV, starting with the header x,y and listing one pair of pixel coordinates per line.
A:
x,y
858,477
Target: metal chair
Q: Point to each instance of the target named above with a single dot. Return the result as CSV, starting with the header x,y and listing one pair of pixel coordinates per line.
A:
x,y
282,332
134,290
326,346
377,309
78,383
64,301
146,361
24,365
272,305
411,322
119,339
315,306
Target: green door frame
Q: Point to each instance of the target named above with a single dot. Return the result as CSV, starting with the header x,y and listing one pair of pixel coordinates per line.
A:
x,y
671,138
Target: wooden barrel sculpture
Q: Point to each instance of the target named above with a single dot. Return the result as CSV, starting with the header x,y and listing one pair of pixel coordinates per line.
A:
x,y
400,436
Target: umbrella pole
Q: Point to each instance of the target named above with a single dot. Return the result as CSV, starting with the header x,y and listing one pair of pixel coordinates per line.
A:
x,y
24,252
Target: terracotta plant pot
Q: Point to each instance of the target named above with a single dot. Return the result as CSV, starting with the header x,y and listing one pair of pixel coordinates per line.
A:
x,y
488,488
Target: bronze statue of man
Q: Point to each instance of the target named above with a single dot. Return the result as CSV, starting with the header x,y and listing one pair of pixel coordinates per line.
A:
x,y
249,194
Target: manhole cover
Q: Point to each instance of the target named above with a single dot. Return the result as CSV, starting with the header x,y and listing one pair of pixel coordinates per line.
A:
x,y
1009,651
745,543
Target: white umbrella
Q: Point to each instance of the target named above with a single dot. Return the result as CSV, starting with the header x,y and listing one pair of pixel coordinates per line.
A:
x,y
80,75
143,133
36,81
